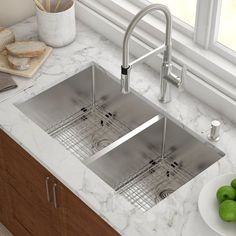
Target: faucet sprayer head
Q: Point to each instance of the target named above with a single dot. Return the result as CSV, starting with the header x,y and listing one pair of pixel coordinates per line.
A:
x,y
125,79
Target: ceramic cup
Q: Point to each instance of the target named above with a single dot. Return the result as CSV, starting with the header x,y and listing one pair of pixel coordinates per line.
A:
x,y
57,29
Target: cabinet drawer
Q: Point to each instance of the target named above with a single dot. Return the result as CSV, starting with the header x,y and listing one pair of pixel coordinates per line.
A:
x,y
32,219
2,166
24,173
77,215
30,193
27,179
4,204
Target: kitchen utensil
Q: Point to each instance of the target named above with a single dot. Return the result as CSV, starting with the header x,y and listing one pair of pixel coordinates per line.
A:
x,y
209,206
48,5
57,5
39,5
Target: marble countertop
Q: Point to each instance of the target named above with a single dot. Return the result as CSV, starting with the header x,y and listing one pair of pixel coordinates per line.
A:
x,y
177,214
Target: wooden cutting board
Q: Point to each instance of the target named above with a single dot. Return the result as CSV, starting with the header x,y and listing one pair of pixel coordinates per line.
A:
x,y
35,64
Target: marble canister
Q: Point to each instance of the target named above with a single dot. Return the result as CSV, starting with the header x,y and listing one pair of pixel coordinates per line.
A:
x,y
57,29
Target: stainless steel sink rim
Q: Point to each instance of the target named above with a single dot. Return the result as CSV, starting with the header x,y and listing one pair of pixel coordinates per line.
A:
x,y
161,155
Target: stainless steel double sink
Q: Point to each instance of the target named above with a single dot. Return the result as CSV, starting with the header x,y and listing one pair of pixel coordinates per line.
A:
x,y
122,138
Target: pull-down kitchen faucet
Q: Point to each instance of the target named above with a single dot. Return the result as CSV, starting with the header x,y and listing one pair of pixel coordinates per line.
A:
x,y
166,70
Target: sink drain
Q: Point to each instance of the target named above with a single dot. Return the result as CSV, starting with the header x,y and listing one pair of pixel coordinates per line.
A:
x,y
165,193
100,144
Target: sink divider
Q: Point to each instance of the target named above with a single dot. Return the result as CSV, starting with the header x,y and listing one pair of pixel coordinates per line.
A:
x,y
123,139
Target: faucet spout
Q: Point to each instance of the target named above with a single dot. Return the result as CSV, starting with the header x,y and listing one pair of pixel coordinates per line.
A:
x,y
166,73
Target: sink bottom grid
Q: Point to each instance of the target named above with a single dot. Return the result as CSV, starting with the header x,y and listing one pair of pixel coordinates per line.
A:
x,y
88,131
153,183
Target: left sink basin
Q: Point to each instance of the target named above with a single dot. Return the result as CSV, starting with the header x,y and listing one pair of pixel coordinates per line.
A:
x,y
87,112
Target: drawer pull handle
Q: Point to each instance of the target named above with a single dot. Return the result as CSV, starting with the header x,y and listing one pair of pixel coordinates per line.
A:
x,y
47,189
54,195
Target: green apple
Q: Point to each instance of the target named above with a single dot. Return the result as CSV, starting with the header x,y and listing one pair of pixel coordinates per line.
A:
x,y
226,193
233,184
227,211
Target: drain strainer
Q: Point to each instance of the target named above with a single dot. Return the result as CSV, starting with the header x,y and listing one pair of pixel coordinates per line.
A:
x,y
100,144
165,193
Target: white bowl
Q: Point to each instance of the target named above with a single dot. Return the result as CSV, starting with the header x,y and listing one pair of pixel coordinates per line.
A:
x,y
209,207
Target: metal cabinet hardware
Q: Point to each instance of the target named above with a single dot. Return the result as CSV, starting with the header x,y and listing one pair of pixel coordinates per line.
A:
x,y
54,195
47,189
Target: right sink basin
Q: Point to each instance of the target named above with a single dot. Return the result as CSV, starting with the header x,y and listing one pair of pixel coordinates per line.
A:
x,y
154,163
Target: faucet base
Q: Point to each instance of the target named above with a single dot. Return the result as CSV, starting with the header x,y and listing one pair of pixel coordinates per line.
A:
x,y
163,100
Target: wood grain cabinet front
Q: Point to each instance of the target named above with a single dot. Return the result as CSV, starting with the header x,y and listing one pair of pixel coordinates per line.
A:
x,y
78,218
4,205
39,204
28,184
4,201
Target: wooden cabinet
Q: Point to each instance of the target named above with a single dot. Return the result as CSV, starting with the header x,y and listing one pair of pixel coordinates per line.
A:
x,y
26,181
4,201
25,219
77,214
39,204
4,205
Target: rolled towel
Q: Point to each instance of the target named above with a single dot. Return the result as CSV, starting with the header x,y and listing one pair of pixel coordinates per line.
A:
x,y
6,82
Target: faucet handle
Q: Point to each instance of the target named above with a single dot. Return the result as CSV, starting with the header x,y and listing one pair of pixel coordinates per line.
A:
x,y
174,79
177,81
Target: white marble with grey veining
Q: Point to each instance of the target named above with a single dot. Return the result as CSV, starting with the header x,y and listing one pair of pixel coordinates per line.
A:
x,y
176,215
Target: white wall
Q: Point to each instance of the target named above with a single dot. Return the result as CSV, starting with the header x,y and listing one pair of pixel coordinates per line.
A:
x,y
13,11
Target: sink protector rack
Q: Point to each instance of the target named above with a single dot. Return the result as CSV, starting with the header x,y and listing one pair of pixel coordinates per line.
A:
x,y
88,131
153,183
